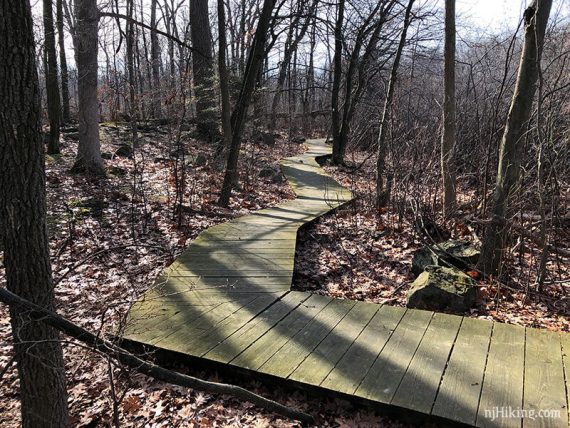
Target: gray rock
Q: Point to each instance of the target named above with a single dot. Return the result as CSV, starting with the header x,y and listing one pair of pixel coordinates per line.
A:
x,y
267,172
442,289
298,139
460,254
277,178
265,138
124,150
200,160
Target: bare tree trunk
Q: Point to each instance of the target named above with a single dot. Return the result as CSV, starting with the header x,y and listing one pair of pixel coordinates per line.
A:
x,y
155,63
39,356
62,63
224,79
203,69
536,19
338,156
89,152
448,137
382,193
52,87
254,61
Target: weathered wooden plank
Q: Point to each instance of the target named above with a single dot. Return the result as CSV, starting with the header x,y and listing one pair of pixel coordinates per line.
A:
x,y
225,284
503,382
320,362
144,327
199,342
544,386
253,330
262,349
419,385
299,346
259,245
231,263
565,340
178,326
353,366
385,375
458,396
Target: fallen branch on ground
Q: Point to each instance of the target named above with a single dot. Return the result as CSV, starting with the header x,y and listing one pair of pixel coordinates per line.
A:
x,y
124,357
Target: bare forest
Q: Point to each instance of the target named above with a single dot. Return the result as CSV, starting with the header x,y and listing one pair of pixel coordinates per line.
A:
x,y
132,130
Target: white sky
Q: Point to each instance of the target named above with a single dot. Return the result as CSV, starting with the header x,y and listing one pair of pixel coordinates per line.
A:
x,y
493,15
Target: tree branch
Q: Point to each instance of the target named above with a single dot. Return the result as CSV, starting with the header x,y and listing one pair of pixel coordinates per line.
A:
x,y
156,30
123,356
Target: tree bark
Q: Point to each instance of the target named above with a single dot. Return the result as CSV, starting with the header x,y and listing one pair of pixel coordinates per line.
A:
x,y
337,156
37,348
448,137
382,193
88,158
63,63
155,62
254,61
52,87
203,69
224,79
511,147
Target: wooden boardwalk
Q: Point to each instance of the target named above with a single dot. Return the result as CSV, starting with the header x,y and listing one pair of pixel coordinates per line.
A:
x,y
227,301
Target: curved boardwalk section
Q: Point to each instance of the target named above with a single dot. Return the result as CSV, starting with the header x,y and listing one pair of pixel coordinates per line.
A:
x,y
227,301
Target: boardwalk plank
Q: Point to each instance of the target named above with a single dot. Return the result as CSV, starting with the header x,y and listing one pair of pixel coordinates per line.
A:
x,y
253,330
299,346
202,342
503,382
385,375
262,349
324,357
419,386
227,284
353,366
544,387
458,396
180,328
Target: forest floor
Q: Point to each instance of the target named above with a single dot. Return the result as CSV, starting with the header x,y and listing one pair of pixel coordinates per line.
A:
x,y
109,240
362,253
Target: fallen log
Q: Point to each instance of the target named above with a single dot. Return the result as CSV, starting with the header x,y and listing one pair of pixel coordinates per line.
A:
x,y
150,369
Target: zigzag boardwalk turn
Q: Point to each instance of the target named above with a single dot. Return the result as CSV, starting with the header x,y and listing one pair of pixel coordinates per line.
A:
x,y
227,301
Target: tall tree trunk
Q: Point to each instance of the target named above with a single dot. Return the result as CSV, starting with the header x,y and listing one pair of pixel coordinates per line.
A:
x,y
338,156
254,61
52,87
155,63
88,158
511,148
309,100
203,69
448,137
39,356
224,79
62,63
383,193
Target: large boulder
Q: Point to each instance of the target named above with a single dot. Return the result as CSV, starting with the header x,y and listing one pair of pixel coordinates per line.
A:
x,y
266,138
440,288
460,254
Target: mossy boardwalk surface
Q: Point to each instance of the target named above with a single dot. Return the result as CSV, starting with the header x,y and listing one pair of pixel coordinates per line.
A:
x,y
227,300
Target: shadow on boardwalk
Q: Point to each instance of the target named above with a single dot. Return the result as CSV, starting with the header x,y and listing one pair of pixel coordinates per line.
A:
x,y
227,302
